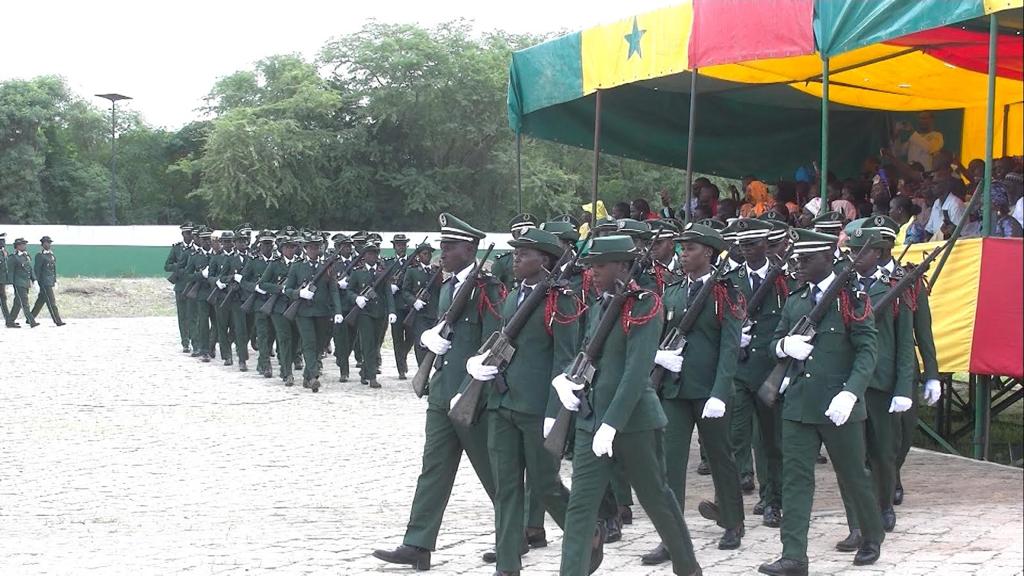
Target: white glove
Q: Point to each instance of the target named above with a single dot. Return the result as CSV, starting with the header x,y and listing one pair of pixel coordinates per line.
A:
x,y
478,370
338,318
797,346
603,439
713,408
221,285
419,305
932,391
238,277
454,401
361,301
745,336
394,289
206,272
566,390
260,290
670,360
549,423
305,294
900,404
392,318
343,283
840,407
432,340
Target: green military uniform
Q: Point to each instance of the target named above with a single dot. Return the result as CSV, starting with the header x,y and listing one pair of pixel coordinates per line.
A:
x,y
45,269
622,399
401,337
220,267
252,274
272,282
544,346
5,311
314,315
175,264
230,274
198,264
842,360
418,277
344,335
501,268
22,275
372,324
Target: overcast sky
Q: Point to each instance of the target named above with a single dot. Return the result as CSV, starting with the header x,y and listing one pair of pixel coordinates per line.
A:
x,y
167,55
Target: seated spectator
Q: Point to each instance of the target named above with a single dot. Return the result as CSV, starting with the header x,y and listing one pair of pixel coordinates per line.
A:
x,y
1015,184
948,207
640,210
728,209
903,211
1005,225
757,201
786,196
588,219
620,210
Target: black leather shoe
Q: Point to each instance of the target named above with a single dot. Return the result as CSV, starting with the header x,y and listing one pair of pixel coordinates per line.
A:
x,y
626,515
33,325
492,556
758,508
772,517
657,556
821,459
186,350
13,325
851,543
204,358
228,362
401,376
889,519
314,385
373,383
418,558
784,567
897,498
868,554
242,366
613,530
289,380
703,469
709,510
732,539
747,483
597,550
536,538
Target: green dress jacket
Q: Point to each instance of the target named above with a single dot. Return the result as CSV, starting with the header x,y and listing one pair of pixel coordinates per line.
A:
x,y
252,274
416,277
752,371
325,302
19,268
895,366
273,280
45,269
363,276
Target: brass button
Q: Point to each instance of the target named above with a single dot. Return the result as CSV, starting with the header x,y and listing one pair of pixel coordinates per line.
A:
x,y
807,375
810,357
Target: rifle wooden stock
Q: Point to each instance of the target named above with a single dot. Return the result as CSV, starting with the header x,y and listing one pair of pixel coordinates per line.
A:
x,y
191,290
228,294
451,316
249,302
293,309
424,295
370,292
757,298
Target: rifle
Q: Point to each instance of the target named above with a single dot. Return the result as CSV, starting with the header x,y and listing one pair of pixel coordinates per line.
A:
x,y
807,326
583,369
192,290
370,292
268,307
293,309
234,286
910,278
758,297
423,295
451,316
499,346
676,337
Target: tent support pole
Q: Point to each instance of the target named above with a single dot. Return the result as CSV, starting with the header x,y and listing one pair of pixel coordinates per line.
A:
x,y
519,169
990,113
688,192
597,159
823,177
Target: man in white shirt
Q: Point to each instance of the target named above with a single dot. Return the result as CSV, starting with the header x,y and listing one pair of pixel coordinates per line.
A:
x,y
923,144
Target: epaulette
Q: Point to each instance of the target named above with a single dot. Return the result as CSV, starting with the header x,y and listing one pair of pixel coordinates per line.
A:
x,y
178,244
899,272
802,289
505,255
677,282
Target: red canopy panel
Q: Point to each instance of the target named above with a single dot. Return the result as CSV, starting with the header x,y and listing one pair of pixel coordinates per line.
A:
x,y
999,320
968,49
730,31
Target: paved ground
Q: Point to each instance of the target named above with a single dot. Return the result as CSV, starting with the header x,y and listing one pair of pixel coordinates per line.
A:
x,y
120,455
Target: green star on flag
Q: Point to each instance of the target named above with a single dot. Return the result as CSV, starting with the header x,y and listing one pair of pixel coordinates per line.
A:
x,y
633,38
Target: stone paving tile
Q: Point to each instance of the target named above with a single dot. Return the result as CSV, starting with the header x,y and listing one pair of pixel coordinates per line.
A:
x,y
120,455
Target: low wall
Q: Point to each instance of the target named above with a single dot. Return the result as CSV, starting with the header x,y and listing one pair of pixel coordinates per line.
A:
x,y
140,251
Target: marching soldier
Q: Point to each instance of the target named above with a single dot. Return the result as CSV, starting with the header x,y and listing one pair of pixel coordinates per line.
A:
x,y
19,269
824,403
175,263
401,337
377,313
830,223
46,278
501,268
272,282
421,277
198,271
444,442
344,335
251,274
4,280
625,422
321,303
698,386
220,269
230,282
665,265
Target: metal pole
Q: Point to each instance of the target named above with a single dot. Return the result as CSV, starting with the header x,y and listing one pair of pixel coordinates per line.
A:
x,y
519,168
823,178
982,404
689,146
597,159
990,113
113,163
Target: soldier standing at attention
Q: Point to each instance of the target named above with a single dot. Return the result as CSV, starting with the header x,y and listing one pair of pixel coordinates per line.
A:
x,y
198,270
344,335
175,263
697,385
824,403
5,311
250,282
401,337
313,318
19,268
272,282
501,268
376,314
417,277
626,422
46,277
444,442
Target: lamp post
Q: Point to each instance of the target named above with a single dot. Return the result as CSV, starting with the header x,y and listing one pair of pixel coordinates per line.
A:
x,y
114,98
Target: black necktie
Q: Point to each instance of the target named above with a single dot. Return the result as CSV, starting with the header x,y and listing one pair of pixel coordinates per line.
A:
x,y
524,293
815,294
866,282
694,288
756,281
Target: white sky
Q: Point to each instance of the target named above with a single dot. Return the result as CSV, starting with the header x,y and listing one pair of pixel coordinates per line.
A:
x,y
167,55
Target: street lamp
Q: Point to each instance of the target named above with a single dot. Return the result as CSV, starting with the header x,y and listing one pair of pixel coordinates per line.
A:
x,y
113,150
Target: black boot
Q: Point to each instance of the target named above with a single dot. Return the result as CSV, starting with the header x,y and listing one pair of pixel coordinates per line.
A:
x,y
657,556
851,543
492,556
772,517
597,550
868,554
418,558
889,519
536,538
784,567
732,538
613,530
709,510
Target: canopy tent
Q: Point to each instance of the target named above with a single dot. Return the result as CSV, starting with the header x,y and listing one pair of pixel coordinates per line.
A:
x,y
760,65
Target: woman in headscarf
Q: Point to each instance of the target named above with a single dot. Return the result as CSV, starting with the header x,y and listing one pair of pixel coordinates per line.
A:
x,y
758,200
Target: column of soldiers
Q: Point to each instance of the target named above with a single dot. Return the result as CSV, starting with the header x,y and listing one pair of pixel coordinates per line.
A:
x,y
614,357
20,270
